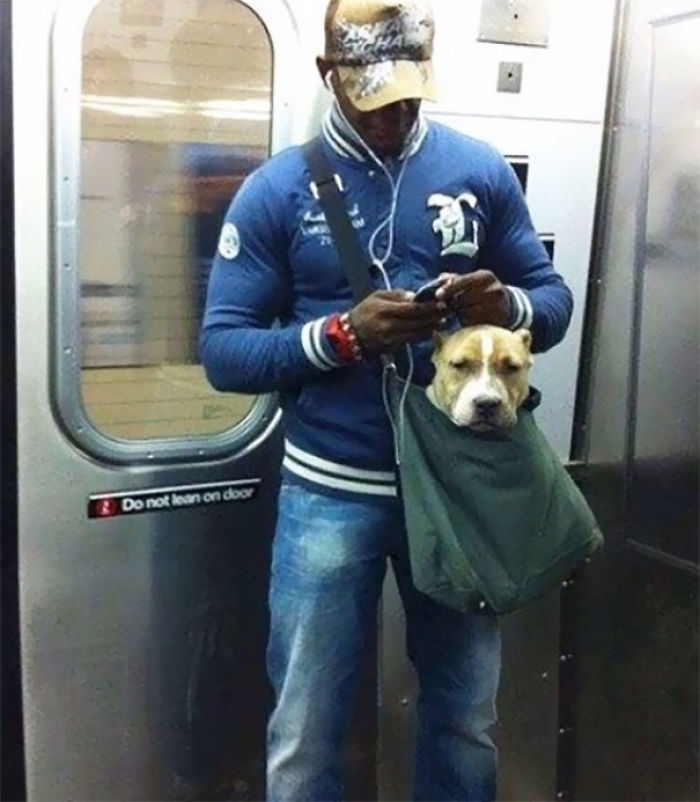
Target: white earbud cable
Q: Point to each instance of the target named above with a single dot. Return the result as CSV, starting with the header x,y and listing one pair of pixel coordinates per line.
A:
x,y
388,364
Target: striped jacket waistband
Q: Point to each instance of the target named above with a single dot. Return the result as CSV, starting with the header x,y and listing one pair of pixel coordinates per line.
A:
x,y
337,476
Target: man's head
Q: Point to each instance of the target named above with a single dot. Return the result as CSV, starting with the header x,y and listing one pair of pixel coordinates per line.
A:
x,y
378,54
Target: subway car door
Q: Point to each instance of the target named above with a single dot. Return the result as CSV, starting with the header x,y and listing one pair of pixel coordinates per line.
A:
x,y
147,500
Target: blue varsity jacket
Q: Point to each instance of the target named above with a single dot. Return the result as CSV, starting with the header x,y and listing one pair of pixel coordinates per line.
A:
x,y
448,203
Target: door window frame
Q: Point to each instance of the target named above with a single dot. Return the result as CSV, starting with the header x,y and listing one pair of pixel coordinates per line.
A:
x,y
66,87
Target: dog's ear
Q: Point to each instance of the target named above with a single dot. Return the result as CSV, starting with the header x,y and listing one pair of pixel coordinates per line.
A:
x,y
526,337
439,339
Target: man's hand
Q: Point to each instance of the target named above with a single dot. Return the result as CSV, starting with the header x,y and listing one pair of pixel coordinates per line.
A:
x,y
476,298
388,319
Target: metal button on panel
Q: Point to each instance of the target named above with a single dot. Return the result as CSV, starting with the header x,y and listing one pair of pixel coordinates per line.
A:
x,y
510,76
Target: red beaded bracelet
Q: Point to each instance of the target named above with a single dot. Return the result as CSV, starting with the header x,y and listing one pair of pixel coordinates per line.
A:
x,y
341,333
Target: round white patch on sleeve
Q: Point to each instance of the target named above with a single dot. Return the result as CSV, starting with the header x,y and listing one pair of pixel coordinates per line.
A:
x,y
229,241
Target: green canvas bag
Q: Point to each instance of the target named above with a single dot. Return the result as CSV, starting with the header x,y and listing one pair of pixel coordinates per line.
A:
x,y
493,518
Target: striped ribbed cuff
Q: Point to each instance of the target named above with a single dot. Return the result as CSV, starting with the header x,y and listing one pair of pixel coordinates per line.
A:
x,y
316,346
520,309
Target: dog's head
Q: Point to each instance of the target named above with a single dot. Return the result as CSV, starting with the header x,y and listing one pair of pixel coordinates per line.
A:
x,y
481,375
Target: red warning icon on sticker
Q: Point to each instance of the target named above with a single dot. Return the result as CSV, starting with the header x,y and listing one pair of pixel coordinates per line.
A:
x,y
104,507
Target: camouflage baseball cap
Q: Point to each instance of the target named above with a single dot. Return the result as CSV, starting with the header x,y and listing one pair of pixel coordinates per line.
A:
x,y
382,50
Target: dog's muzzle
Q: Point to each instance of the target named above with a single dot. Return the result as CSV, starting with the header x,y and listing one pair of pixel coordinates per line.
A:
x,y
490,412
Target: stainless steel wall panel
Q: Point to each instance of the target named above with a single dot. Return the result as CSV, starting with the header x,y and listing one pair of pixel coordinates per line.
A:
x,y
636,613
526,734
144,645
663,504
636,728
398,693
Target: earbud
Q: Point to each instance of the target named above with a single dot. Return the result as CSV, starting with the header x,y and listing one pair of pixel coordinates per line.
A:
x,y
327,80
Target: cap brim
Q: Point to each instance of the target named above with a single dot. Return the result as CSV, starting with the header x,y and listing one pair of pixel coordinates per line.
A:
x,y
371,86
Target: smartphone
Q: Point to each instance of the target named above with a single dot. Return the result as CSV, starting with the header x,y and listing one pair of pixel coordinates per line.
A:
x,y
427,291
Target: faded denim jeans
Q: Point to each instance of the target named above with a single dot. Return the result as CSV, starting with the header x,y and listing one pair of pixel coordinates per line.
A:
x,y
329,561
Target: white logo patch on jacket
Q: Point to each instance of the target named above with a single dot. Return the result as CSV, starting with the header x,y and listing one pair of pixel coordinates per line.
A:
x,y
451,224
229,241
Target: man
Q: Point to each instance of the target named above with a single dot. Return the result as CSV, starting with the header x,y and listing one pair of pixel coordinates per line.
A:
x,y
424,201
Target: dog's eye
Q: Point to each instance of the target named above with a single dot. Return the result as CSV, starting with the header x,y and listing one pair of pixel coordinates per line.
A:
x,y
461,364
510,366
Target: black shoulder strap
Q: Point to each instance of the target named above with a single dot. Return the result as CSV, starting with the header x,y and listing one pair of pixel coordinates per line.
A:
x,y
347,244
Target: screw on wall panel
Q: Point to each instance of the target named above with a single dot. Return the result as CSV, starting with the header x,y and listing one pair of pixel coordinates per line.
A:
x,y
545,675
565,658
404,702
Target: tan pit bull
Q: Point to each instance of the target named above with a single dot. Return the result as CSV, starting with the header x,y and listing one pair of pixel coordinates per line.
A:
x,y
481,375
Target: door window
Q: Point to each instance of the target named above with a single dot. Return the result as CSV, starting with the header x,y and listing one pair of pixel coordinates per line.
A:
x,y
175,111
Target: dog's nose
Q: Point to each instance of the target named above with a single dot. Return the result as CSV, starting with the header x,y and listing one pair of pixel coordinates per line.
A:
x,y
487,404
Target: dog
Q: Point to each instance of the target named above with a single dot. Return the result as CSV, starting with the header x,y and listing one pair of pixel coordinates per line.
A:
x,y
481,375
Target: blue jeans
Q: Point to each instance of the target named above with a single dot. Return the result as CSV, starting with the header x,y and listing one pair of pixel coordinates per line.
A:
x,y
328,566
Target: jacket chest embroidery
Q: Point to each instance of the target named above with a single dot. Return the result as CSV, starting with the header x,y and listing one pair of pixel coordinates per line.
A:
x,y
314,224
460,234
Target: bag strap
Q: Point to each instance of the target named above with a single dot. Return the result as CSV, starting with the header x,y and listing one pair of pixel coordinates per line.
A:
x,y
326,186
